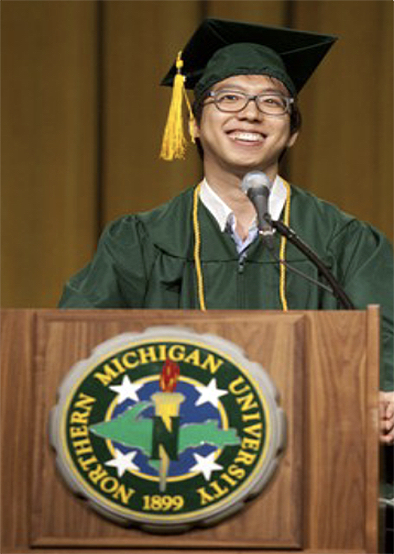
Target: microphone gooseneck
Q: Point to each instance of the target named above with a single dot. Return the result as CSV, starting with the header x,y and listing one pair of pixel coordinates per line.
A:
x,y
292,237
257,186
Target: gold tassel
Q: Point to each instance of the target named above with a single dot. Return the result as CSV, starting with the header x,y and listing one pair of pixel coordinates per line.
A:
x,y
174,142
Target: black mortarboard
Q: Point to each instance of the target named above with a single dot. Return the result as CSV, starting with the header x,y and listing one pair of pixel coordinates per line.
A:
x,y
299,53
220,49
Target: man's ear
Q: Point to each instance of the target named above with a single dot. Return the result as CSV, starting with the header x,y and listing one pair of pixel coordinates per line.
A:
x,y
292,139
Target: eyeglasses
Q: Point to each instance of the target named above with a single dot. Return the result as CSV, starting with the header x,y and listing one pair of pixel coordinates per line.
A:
x,y
269,103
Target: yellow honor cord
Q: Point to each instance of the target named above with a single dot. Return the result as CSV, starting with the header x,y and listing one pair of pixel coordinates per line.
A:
x,y
174,141
282,252
197,250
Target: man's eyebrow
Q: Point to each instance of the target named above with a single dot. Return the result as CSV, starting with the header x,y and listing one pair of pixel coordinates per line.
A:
x,y
241,88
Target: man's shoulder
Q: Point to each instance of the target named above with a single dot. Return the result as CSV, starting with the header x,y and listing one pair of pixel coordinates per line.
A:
x,y
323,219
172,207
153,218
310,211
167,226
305,200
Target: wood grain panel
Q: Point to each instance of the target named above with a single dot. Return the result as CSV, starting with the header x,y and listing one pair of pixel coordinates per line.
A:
x,y
371,428
16,426
48,170
344,151
182,549
273,519
337,381
333,460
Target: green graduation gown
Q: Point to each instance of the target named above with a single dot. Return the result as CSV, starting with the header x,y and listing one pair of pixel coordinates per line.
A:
x,y
146,261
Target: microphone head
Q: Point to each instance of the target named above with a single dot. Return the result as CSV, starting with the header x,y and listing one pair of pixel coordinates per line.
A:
x,y
255,180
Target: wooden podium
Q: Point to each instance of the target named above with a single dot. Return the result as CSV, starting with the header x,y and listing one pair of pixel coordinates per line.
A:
x,y
324,495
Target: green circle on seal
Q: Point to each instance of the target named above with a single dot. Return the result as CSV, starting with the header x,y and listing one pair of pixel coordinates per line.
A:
x,y
167,429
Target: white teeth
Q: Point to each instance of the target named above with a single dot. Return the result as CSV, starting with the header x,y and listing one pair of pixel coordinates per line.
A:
x,y
250,137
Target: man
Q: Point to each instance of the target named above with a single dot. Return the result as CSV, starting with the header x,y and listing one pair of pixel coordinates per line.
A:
x,y
203,249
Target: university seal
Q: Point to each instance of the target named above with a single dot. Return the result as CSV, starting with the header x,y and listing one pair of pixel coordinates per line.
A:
x,y
167,429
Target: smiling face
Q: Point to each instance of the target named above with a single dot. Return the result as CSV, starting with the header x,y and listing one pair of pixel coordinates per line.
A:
x,y
235,143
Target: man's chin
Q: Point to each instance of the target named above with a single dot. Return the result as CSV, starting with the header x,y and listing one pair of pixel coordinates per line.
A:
x,y
244,167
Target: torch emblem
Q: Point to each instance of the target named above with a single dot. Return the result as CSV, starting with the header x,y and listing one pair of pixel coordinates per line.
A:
x,y
166,420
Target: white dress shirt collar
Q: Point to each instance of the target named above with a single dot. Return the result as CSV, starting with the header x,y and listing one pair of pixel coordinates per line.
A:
x,y
224,215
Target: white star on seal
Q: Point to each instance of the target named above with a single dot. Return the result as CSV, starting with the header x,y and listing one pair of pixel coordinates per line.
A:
x,y
126,390
210,394
122,462
205,465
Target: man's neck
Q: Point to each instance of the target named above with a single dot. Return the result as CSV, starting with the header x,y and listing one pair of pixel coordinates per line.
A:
x,y
228,188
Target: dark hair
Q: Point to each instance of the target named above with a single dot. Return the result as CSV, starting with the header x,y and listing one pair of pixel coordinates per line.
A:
x,y
198,106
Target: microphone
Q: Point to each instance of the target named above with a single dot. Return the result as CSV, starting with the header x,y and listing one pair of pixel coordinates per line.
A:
x,y
257,187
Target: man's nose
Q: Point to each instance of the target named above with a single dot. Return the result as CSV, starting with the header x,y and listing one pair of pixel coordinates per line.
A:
x,y
251,110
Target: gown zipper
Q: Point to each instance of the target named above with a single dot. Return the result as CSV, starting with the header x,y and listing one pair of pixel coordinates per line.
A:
x,y
241,281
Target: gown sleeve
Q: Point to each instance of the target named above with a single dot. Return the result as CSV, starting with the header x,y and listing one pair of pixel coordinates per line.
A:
x,y
365,265
116,276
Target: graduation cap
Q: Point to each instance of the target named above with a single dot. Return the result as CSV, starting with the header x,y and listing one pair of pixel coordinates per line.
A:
x,y
221,48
